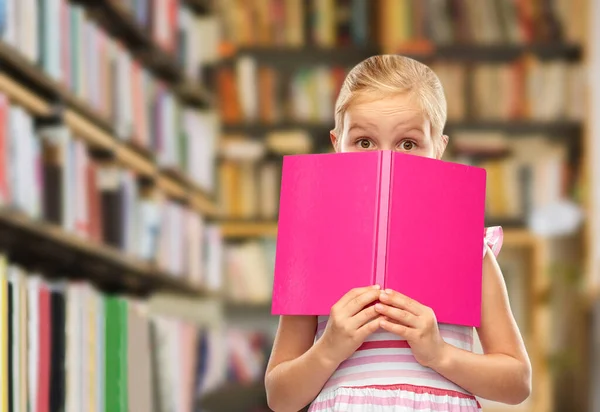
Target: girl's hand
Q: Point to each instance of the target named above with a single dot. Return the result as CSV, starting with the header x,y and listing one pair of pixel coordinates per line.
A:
x,y
349,324
414,322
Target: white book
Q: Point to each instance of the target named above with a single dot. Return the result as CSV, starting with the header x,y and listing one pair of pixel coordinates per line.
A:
x,y
214,257
33,351
248,87
12,23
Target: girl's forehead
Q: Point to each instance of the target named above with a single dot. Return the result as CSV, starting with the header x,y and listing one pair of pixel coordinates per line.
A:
x,y
396,103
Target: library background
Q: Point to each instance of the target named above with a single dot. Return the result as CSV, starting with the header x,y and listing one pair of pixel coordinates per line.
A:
x,y
141,144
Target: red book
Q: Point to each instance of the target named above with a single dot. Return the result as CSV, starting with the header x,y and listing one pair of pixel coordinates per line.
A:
x,y
43,395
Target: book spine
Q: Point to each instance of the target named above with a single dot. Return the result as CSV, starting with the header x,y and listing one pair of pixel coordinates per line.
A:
x,y
382,217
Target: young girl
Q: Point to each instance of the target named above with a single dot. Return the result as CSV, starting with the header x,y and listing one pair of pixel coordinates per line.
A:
x,y
394,356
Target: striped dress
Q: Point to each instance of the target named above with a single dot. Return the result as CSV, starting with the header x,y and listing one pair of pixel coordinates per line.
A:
x,y
383,376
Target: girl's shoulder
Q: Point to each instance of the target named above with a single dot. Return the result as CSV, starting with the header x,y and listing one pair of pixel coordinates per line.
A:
x,y
493,237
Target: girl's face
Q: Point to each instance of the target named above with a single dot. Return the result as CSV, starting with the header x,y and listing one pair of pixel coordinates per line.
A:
x,y
392,123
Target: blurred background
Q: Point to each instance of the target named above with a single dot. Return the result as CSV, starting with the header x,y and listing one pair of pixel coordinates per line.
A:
x,y
141,144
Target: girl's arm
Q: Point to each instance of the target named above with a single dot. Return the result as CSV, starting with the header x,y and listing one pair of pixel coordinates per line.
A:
x,y
297,369
502,373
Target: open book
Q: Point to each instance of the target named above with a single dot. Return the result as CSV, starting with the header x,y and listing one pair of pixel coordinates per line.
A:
x,y
412,224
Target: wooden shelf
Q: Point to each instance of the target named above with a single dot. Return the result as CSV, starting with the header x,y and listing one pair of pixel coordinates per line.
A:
x,y
98,138
235,397
290,58
199,6
233,307
119,22
248,229
50,249
559,129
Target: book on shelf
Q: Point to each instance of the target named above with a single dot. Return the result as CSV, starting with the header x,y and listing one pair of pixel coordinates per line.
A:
x,y
88,64
69,346
249,268
357,219
528,89
399,25
530,179
48,174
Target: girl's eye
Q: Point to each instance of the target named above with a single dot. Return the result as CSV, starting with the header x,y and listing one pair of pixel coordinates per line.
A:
x,y
408,145
364,143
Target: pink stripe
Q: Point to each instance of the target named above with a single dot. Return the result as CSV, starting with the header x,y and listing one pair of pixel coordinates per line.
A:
x,y
397,373
364,360
382,218
403,400
384,344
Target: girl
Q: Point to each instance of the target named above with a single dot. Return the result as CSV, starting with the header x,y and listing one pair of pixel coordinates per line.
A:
x,y
394,356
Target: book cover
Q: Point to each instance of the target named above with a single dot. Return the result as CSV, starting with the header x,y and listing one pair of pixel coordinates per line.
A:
x,y
405,222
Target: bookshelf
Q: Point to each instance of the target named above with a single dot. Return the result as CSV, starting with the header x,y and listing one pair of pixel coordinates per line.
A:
x,y
93,297
42,245
98,138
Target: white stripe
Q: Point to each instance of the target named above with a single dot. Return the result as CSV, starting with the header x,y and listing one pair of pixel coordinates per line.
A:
x,y
465,330
383,351
394,394
438,384
384,366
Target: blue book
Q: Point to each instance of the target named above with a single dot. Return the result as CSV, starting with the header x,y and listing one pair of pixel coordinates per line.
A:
x,y
359,27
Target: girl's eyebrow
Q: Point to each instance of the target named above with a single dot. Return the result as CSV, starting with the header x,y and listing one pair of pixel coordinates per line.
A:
x,y
361,126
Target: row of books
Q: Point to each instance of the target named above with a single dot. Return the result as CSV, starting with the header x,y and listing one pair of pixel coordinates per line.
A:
x,y
49,174
69,347
178,30
159,18
295,22
100,71
249,268
250,92
528,88
527,175
398,23
249,189
404,22
524,89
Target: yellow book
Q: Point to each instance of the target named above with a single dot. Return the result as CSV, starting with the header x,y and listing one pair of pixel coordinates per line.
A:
x,y
4,336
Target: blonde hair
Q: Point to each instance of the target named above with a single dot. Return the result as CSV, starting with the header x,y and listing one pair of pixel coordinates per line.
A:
x,y
390,75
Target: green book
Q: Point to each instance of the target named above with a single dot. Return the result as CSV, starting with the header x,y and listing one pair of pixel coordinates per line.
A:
x,y
115,383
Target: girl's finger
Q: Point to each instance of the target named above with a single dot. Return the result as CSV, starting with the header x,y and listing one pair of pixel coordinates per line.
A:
x,y
359,302
400,301
397,329
400,316
364,316
354,293
368,328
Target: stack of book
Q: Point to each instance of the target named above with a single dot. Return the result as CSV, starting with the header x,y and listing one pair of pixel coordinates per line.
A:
x,y
47,173
69,346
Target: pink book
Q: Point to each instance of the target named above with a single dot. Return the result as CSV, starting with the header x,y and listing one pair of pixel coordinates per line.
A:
x,y
408,223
